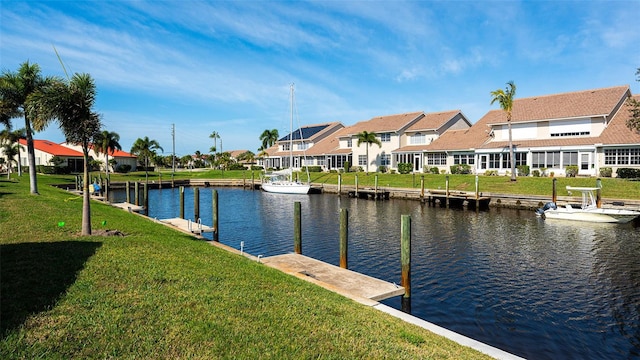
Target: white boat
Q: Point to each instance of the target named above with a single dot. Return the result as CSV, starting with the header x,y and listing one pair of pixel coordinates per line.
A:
x,y
282,181
588,211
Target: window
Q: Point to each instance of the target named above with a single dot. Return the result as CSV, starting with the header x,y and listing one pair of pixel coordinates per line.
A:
x,y
622,156
385,137
494,161
303,146
417,139
521,159
576,133
308,161
537,159
349,143
362,160
436,159
553,159
569,158
385,159
320,161
464,159
286,147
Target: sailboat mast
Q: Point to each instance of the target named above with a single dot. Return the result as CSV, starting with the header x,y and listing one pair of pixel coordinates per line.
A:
x,y
291,135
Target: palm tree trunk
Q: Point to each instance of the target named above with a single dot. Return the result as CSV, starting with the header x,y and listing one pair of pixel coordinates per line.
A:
x,y
367,155
31,155
86,210
513,159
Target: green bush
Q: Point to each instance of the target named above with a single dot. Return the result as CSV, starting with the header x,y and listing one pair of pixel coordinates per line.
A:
x,y
46,169
523,170
125,168
628,173
237,166
311,169
382,169
535,173
491,173
405,168
432,170
347,166
460,169
257,168
571,171
606,172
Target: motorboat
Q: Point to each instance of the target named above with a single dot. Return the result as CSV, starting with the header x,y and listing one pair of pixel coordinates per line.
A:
x,y
588,210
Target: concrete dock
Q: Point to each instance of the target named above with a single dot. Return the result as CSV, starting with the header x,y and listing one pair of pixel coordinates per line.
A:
x,y
343,281
188,225
128,206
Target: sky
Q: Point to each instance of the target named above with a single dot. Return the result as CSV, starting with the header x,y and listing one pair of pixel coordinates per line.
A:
x,y
227,66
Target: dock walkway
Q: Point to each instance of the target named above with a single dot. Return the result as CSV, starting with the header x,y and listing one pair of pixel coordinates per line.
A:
x,y
343,281
188,225
128,206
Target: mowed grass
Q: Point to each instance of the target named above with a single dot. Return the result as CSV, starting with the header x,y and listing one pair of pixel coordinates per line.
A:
x,y
159,294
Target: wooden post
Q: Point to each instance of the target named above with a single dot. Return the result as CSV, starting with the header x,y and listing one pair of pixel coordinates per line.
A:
x,y
422,187
599,193
356,185
106,190
554,194
196,204
160,181
477,194
145,197
297,228
253,181
244,180
339,184
405,254
136,192
344,237
127,192
375,188
447,190
181,189
214,211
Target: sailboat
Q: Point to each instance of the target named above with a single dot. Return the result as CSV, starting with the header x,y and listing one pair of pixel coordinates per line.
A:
x,y
282,181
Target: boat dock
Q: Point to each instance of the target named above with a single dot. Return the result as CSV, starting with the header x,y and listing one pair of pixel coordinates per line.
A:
x,y
373,194
128,206
457,199
188,226
343,281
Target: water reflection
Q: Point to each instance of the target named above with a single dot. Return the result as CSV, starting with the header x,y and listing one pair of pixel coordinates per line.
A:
x,y
540,289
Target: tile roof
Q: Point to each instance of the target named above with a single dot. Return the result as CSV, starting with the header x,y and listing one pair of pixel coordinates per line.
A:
x,y
617,131
433,121
585,103
388,123
53,148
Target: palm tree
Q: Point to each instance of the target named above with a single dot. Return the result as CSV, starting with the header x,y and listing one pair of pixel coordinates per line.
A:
x,y
268,138
106,142
368,138
13,137
15,91
145,148
71,103
505,99
10,151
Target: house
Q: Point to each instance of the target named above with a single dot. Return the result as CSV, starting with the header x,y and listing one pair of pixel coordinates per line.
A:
x,y
118,157
45,150
584,129
296,150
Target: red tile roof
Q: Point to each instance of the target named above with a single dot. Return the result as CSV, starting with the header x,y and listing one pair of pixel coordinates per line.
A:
x,y
53,148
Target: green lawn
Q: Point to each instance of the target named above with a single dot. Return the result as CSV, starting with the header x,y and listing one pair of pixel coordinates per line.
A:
x,y
158,293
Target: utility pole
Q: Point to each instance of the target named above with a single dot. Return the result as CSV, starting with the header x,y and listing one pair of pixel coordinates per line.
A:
x,y
173,157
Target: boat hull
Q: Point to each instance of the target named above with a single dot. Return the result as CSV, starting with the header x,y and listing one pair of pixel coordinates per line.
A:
x,y
286,188
592,215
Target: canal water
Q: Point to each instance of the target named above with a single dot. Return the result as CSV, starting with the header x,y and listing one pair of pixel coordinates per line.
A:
x,y
540,289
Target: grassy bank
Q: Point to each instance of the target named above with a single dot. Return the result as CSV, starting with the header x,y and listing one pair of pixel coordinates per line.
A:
x,y
612,188
157,293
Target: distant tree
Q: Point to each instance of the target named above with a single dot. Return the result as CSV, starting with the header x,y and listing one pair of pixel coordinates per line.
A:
x,y
268,138
633,122
10,151
106,142
368,138
505,99
71,103
145,149
13,137
247,156
16,89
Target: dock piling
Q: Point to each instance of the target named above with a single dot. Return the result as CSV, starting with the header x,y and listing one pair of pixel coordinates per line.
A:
x,y
447,191
136,193
344,237
554,196
599,193
214,211
145,198
128,192
339,184
196,203
297,228
405,254
375,188
181,189
422,187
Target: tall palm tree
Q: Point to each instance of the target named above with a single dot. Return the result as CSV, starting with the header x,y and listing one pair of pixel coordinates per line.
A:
x,y
505,99
15,91
215,136
268,138
145,149
70,102
368,138
9,137
106,142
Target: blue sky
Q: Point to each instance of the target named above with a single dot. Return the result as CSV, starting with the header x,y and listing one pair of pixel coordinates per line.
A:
x,y
226,66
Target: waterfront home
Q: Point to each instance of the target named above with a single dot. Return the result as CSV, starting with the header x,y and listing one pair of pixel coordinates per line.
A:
x,y
586,129
46,150
118,159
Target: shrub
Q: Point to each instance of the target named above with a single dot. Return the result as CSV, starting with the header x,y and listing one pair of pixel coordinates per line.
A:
x,y
536,173
523,170
45,169
628,173
382,169
257,168
460,169
347,166
606,172
405,168
432,170
314,168
571,171
491,173
124,168
237,166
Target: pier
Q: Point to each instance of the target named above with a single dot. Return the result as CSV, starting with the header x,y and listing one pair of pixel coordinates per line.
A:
x,y
188,225
368,193
457,199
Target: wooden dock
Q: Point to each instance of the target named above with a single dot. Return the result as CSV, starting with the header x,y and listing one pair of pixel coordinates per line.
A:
x,y
367,193
188,225
457,199
343,281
